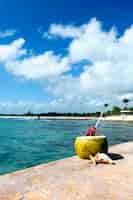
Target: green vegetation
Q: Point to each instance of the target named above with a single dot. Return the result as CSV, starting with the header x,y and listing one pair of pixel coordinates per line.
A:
x,y
114,111
126,101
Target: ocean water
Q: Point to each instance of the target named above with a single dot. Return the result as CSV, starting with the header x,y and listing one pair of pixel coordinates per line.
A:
x,y
25,143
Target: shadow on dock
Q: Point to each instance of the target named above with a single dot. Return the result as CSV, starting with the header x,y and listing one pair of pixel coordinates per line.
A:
x,y
116,156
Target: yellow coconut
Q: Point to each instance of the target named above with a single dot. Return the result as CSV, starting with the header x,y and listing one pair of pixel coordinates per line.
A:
x,y
90,145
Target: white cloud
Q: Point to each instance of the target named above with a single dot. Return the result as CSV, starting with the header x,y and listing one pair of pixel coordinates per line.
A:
x,y
73,97
94,44
7,33
64,31
20,62
44,66
106,78
12,51
109,74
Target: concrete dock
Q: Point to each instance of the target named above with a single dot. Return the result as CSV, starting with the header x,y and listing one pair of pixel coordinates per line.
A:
x,y
73,179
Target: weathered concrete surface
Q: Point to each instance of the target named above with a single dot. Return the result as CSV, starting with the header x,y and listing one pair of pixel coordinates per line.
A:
x,y
73,179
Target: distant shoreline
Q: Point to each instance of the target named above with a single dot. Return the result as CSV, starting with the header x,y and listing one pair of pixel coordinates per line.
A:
x,y
108,118
48,117
123,118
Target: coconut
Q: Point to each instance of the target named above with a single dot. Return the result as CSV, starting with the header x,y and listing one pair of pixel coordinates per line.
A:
x,y
90,145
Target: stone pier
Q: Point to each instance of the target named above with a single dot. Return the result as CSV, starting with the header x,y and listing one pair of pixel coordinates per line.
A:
x,y
73,179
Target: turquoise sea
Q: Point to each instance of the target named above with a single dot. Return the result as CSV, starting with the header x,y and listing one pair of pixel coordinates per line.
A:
x,y
25,143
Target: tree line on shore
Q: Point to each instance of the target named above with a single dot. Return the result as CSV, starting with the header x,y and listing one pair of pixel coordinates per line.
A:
x,y
114,111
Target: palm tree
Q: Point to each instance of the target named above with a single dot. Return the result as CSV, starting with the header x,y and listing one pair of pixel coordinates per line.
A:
x,y
106,105
125,101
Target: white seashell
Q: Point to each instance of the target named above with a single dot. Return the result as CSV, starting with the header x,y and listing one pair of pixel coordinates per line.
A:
x,y
103,158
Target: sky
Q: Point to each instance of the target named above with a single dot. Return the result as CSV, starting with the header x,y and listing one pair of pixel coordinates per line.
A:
x,y
65,56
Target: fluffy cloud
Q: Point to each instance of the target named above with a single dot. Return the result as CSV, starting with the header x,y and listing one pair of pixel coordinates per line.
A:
x,y
106,75
94,44
12,51
42,66
19,62
73,94
59,30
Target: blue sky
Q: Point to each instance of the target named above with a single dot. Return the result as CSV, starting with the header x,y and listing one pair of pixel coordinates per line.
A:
x,y
55,61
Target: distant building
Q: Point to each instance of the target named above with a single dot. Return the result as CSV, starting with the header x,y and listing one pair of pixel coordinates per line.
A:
x,y
126,112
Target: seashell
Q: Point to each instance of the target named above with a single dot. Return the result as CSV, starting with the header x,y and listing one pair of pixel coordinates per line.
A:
x,y
103,158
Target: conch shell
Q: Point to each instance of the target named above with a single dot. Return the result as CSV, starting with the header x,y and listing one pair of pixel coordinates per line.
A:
x,y
101,158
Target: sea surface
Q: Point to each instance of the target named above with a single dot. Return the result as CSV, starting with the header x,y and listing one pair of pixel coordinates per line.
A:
x,y
25,143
